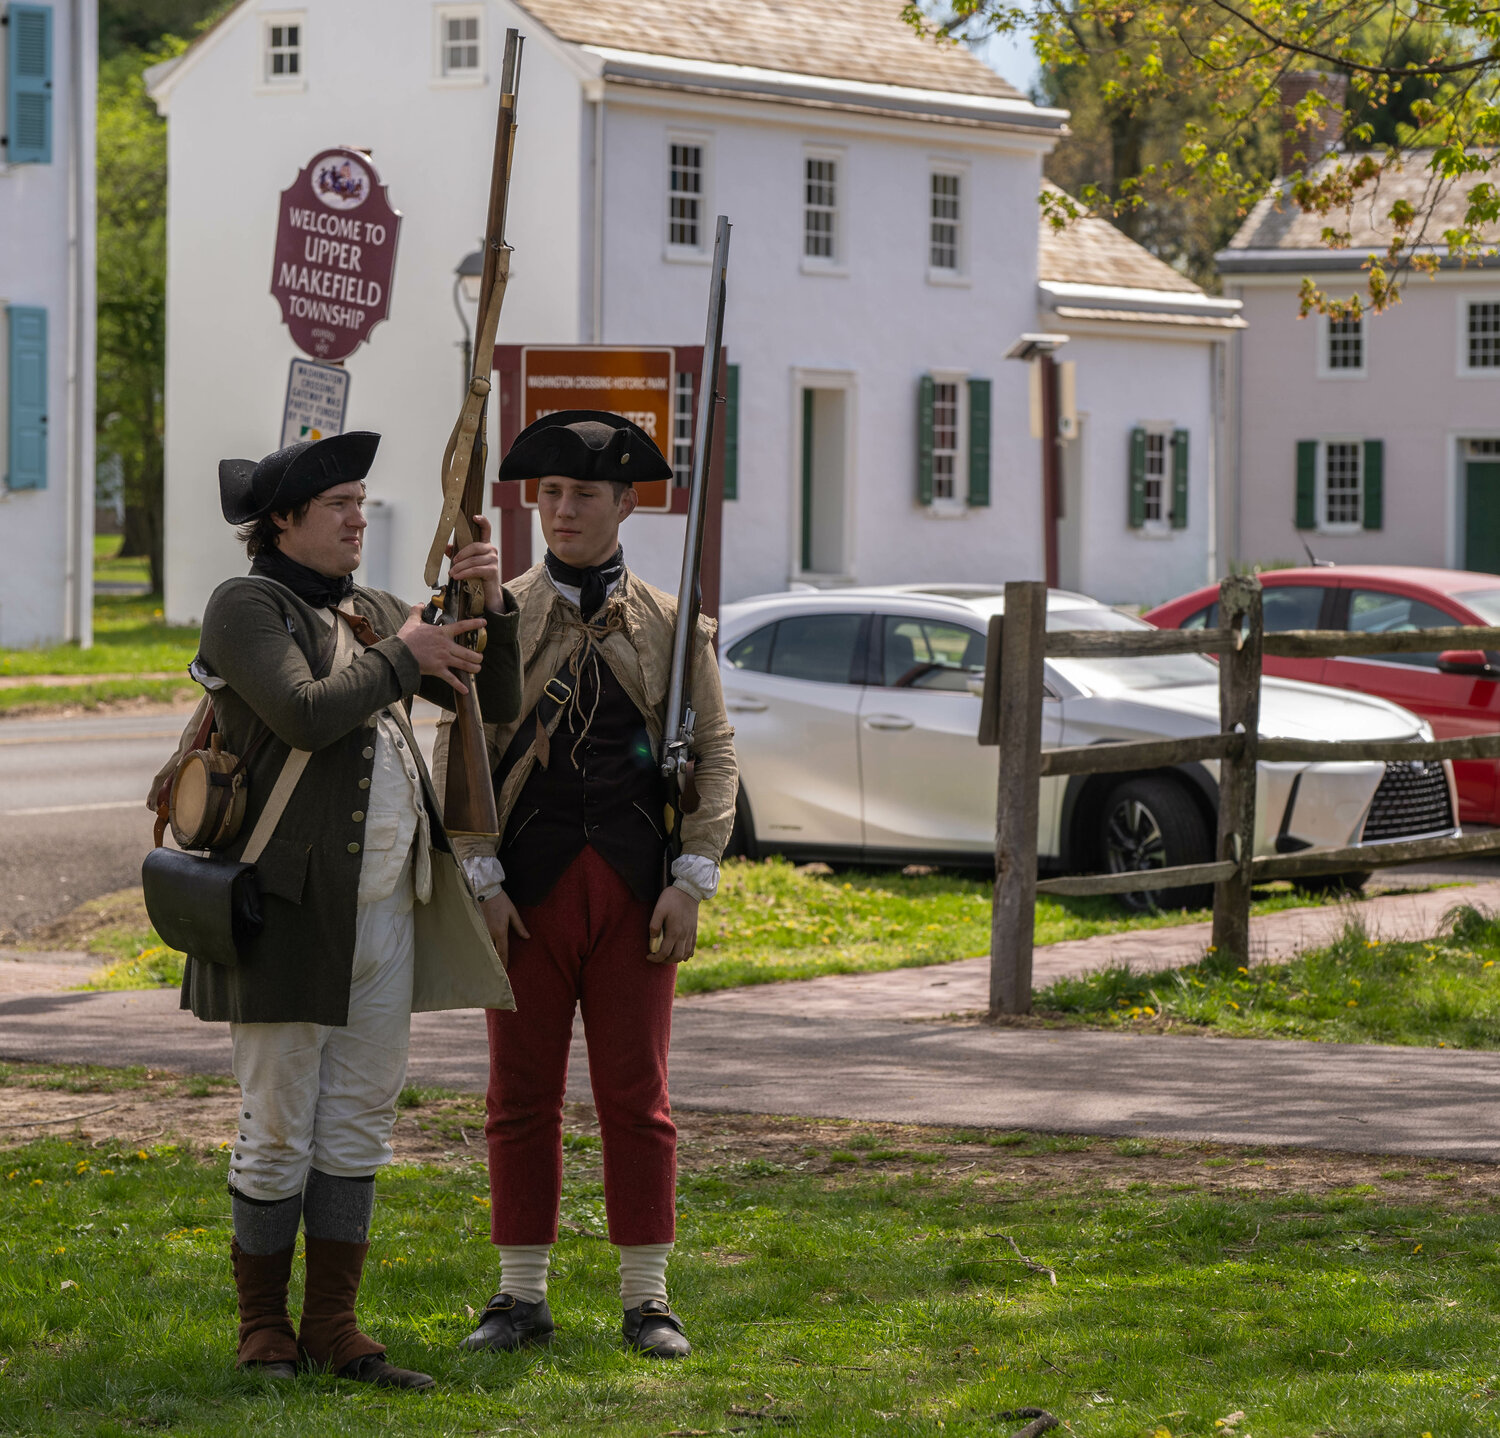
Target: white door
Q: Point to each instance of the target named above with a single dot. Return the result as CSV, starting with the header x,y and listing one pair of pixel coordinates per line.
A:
x,y
794,710
927,783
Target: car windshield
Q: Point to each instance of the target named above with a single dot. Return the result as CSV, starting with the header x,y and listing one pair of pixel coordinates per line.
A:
x,y
1484,602
1114,676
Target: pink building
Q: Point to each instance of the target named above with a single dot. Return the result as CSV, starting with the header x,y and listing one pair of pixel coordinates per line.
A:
x,y
1372,440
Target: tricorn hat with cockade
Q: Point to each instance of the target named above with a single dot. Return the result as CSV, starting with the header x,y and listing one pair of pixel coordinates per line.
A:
x,y
251,488
585,444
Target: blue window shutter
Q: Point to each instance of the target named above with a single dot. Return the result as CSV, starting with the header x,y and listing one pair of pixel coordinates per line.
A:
x,y
26,453
979,441
28,84
731,431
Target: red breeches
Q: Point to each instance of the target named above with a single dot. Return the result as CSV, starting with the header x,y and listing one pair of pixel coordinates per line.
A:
x,y
588,947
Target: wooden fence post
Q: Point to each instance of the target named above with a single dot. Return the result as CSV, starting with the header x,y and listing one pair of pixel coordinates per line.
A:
x,y
1013,919
1239,713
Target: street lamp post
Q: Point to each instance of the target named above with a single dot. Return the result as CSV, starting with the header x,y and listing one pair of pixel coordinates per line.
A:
x,y
1039,348
466,283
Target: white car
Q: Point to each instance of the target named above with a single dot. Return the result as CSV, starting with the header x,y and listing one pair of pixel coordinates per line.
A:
x,y
856,711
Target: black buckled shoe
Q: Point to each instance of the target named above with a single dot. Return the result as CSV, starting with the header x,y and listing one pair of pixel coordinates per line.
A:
x,y
653,1329
508,1324
372,1368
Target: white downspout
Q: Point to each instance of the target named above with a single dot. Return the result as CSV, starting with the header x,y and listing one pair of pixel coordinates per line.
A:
x,y
85,325
597,327
1215,453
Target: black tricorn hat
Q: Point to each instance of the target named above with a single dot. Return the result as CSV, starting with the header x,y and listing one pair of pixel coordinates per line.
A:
x,y
248,489
585,444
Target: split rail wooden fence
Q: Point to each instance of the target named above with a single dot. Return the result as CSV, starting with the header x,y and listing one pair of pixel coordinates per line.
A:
x,y
1019,641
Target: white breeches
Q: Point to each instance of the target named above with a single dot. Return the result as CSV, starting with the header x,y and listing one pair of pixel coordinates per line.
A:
x,y
312,1096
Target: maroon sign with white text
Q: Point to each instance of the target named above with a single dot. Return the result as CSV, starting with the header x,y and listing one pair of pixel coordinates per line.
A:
x,y
335,254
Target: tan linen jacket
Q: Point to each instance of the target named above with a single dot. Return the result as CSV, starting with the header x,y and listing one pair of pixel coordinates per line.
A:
x,y
640,656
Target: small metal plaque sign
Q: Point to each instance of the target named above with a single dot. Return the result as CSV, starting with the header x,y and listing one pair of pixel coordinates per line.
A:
x,y
317,399
335,254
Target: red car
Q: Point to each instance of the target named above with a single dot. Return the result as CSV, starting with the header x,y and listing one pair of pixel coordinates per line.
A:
x,y
1457,692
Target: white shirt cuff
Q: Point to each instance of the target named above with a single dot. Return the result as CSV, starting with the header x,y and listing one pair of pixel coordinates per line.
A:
x,y
697,875
486,876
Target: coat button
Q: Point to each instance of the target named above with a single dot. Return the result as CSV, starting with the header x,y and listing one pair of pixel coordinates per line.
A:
x,y
372,721
354,848
364,783
401,743
358,816
367,752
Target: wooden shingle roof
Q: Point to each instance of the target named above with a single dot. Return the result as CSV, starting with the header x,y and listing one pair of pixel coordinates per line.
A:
x,y
863,40
1091,251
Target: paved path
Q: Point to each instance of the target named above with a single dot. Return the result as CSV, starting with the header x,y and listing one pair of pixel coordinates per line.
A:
x,y
878,1047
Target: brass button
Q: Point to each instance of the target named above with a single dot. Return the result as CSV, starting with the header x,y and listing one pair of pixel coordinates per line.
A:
x,y
364,783
358,816
367,753
401,743
354,848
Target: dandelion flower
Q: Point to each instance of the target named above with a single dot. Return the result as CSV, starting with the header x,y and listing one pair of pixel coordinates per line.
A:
x,y
59,1250
1352,1004
142,1155
37,1182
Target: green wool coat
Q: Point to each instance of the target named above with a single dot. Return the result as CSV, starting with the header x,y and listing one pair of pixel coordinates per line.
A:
x,y
265,644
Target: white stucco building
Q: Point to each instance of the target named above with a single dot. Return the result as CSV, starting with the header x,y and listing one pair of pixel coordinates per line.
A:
x,y
885,256
1370,440
48,85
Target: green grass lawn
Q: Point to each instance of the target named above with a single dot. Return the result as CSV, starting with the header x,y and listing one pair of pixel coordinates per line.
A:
x,y
1443,993
769,921
130,636
110,567
835,1278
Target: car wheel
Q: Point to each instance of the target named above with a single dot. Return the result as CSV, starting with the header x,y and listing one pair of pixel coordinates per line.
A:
x,y
1154,824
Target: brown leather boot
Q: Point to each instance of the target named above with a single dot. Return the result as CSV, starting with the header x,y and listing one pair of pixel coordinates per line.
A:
x,y
330,1336
266,1340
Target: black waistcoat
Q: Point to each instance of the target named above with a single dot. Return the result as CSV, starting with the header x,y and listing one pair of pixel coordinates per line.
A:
x,y
609,794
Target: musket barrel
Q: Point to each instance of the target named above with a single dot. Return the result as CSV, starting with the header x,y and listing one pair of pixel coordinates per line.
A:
x,y
674,757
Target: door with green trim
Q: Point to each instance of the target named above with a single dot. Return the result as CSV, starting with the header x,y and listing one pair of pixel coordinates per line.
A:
x,y
1482,515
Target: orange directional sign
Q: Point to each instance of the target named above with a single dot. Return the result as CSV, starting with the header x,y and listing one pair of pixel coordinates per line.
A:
x,y
627,380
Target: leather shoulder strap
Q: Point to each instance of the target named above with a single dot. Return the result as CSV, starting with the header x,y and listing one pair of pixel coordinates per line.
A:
x,y
296,762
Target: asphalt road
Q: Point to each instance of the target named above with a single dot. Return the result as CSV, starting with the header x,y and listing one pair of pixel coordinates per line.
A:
x,y
73,820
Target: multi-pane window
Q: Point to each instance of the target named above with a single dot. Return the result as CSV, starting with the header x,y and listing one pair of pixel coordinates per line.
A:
x,y
1346,343
1341,482
283,51
945,436
1484,334
1156,476
820,208
460,40
685,195
682,430
945,218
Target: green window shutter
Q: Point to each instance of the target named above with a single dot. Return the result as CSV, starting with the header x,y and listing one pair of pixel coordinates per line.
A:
x,y
26,452
1179,479
731,431
28,85
1307,484
979,442
1374,505
1137,478
924,440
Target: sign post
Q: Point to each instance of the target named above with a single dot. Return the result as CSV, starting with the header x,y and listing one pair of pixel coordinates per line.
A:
x,y
335,254
317,399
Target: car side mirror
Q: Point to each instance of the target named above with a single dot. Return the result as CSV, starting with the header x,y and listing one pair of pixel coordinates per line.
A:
x,y
1467,661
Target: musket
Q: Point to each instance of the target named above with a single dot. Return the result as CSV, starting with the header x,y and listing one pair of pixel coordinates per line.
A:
x,y
469,796
677,756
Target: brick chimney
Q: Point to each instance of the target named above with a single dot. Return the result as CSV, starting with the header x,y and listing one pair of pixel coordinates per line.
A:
x,y
1316,140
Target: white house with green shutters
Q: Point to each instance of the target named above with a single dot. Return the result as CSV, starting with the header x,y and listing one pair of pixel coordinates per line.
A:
x,y
885,257
47,94
1372,440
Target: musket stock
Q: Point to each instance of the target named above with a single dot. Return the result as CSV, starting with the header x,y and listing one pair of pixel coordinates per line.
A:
x,y
677,738
469,796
